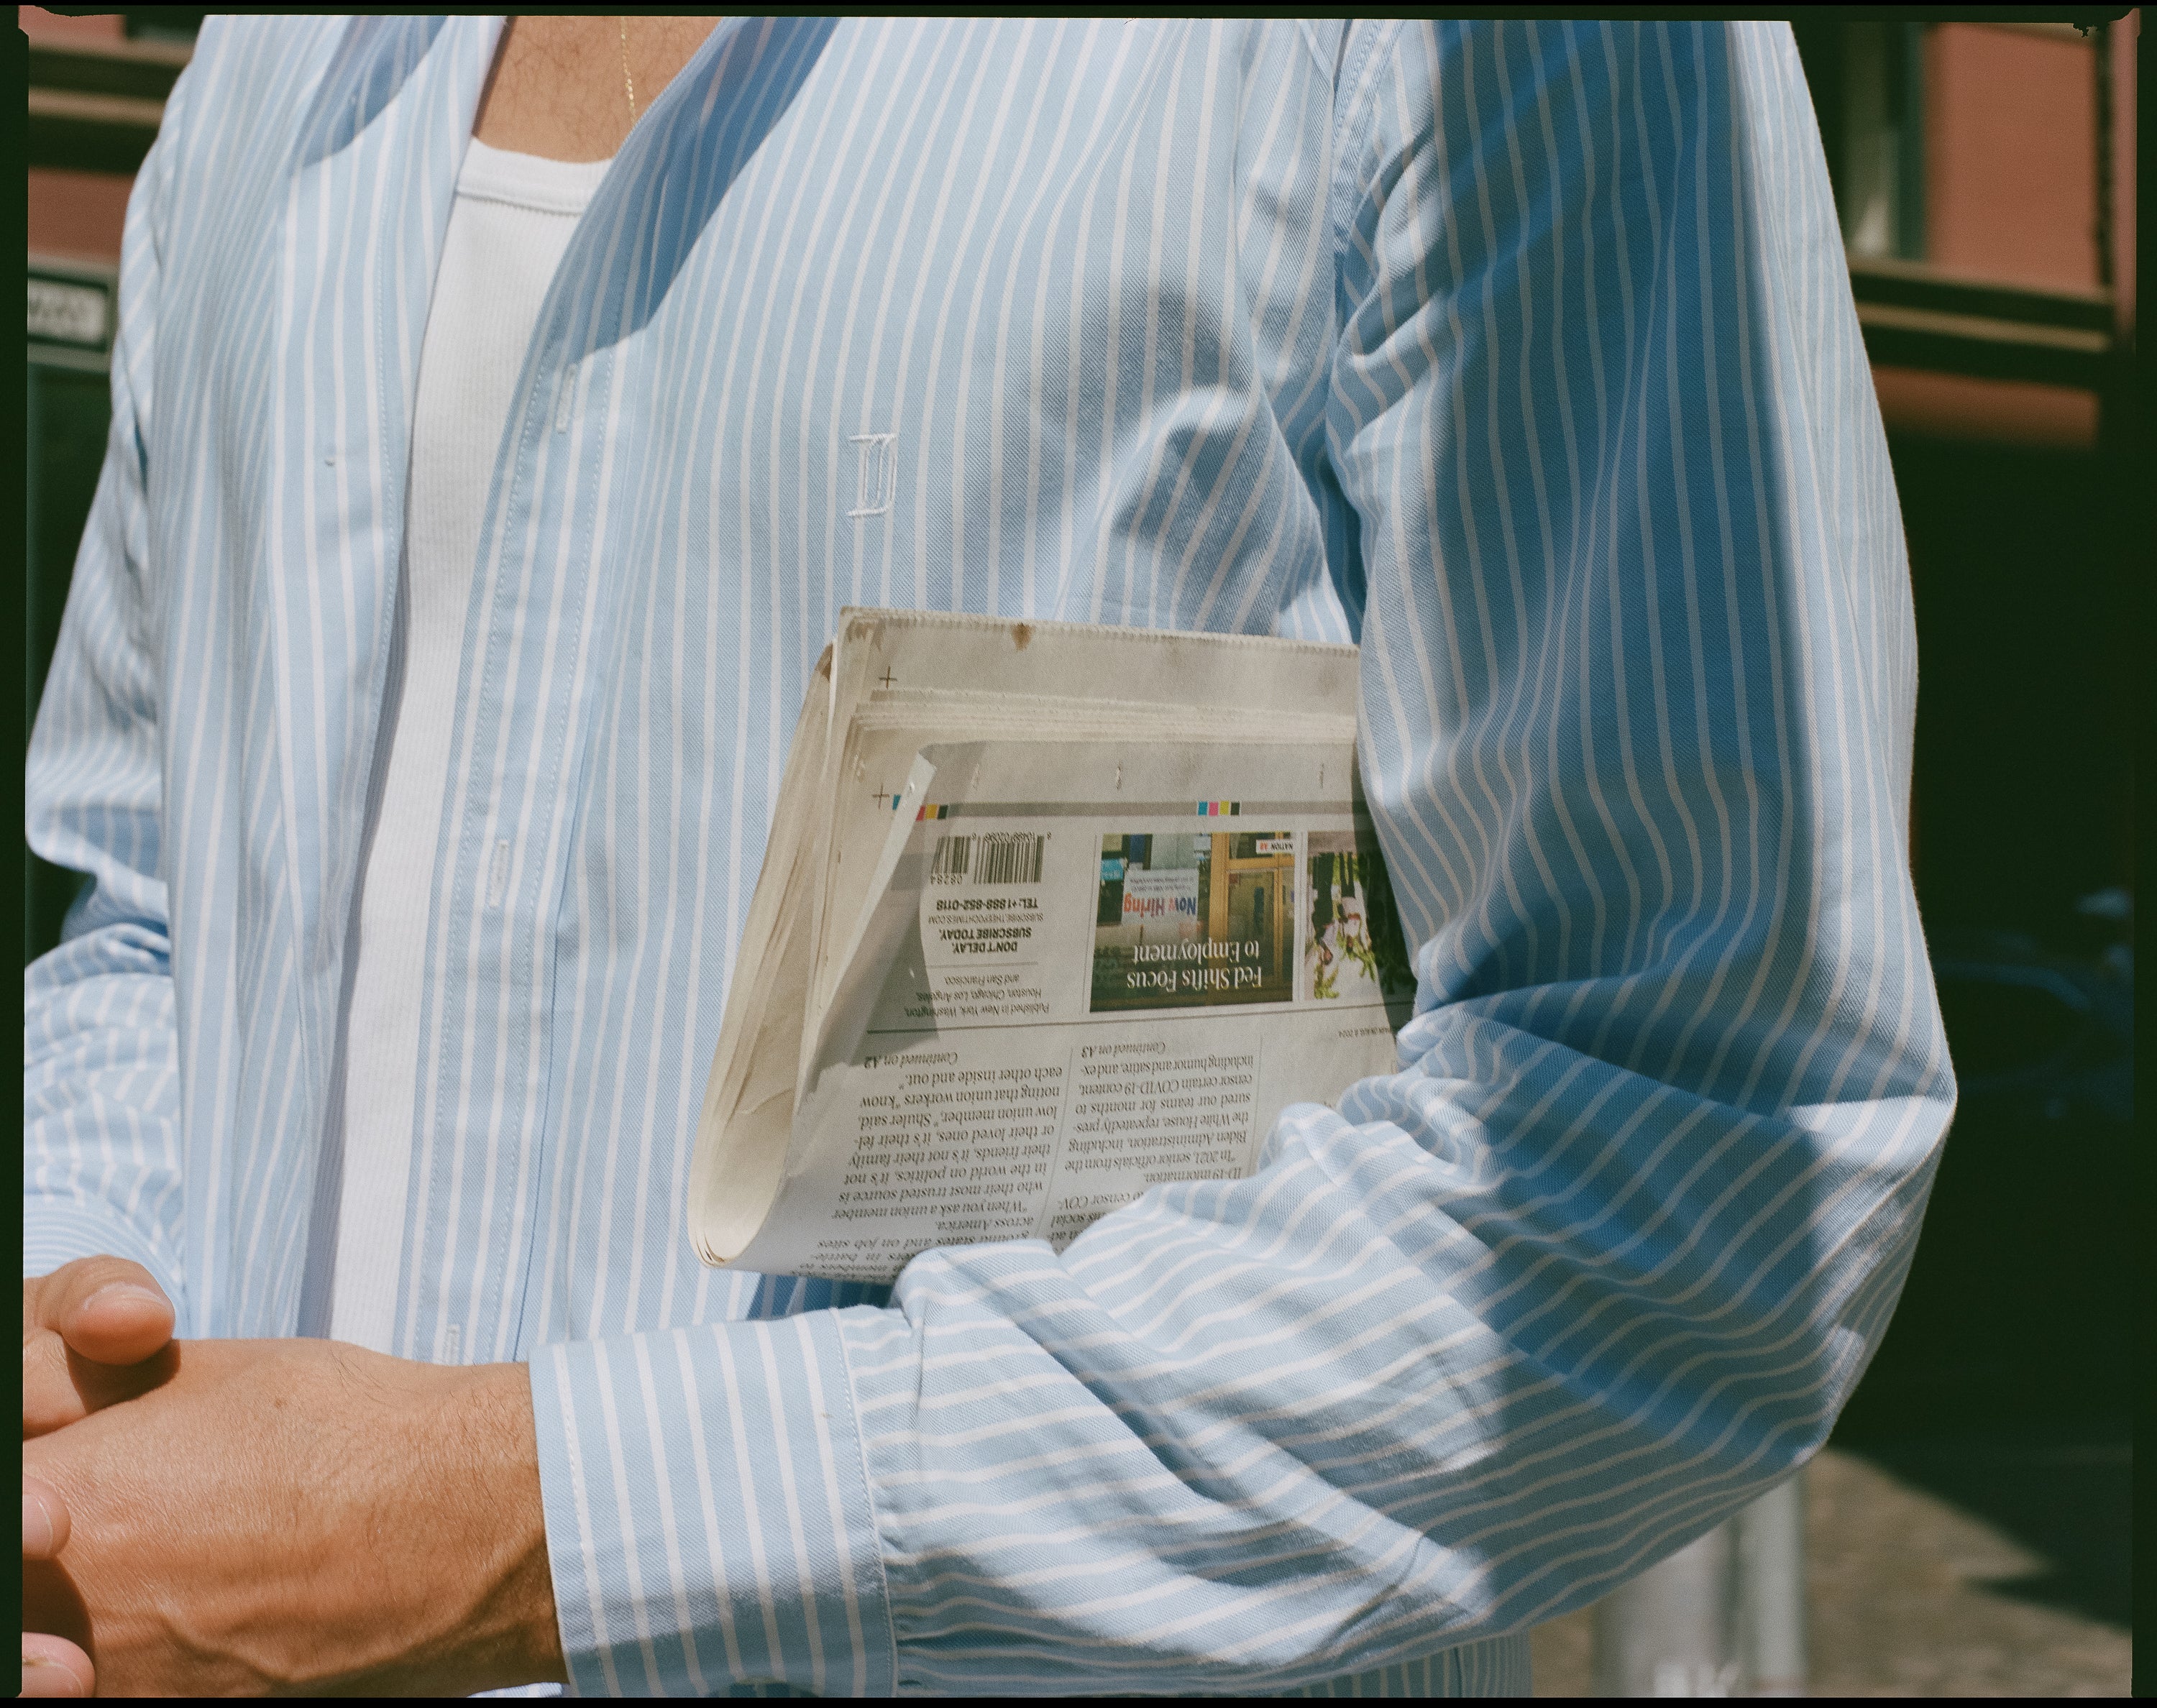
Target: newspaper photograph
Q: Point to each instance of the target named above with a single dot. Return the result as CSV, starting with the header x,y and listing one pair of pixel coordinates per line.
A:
x,y
1195,920
1353,945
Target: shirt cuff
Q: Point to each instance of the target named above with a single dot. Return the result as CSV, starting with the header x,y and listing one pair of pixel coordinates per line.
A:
x,y
708,1511
57,1231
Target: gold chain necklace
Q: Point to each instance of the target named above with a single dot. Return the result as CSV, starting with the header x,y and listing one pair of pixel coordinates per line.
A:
x,y
628,83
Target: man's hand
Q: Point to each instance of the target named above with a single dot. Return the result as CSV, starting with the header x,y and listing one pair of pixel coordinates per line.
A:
x,y
95,1331
52,1666
303,1515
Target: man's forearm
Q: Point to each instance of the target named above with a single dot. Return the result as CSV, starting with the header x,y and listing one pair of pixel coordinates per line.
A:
x,y
298,1515
496,1528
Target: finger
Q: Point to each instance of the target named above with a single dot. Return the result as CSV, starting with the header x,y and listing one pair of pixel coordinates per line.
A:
x,y
44,1519
52,1666
60,1387
107,1309
49,1399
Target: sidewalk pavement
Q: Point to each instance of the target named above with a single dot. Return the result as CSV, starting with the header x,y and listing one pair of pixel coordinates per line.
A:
x,y
1991,1566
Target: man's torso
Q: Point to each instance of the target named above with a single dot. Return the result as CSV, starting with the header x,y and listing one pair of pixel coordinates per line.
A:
x,y
1026,317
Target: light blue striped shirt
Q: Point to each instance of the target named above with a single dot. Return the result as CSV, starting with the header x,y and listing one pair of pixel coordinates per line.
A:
x,y
1522,354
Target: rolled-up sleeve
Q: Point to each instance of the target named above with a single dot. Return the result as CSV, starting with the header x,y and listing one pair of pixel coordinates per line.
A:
x,y
1602,1260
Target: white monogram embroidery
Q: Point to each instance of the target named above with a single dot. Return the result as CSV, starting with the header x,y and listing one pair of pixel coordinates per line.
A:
x,y
874,473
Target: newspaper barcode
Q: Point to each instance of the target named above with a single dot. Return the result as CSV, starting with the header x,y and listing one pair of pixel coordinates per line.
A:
x,y
949,863
1013,857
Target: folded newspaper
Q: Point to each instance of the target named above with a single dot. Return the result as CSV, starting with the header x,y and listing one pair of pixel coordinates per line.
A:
x,y
1051,914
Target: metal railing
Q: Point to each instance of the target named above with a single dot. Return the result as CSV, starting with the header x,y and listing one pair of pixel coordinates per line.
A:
x,y
1724,1616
